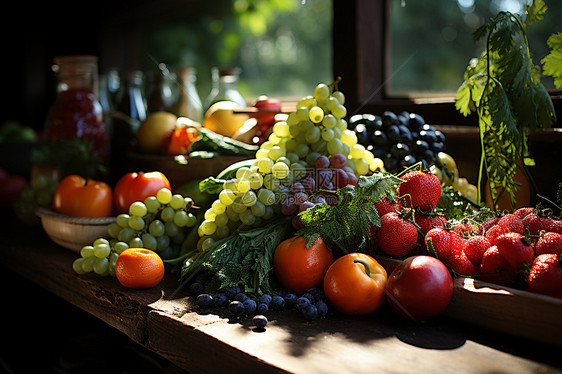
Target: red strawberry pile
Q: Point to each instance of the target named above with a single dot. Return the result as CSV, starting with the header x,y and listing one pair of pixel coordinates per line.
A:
x,y
520,249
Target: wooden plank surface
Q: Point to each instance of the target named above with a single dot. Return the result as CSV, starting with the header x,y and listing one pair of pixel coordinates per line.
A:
x,y
164,320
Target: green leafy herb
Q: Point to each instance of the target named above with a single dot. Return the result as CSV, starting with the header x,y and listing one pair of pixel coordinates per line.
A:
x,y
344,226
244,258
503,87
552,63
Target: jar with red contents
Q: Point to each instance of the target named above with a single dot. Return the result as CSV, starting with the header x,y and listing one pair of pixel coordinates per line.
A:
x,y
76,112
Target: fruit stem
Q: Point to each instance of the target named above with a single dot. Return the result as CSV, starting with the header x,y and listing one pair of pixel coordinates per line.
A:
x,y
364,263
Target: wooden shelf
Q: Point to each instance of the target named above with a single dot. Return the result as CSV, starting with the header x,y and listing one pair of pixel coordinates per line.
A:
x,y
164,320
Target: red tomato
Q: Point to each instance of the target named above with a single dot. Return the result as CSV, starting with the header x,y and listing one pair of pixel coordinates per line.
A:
x,y
79,197
133,187
179,140
419,288
354,284
299,268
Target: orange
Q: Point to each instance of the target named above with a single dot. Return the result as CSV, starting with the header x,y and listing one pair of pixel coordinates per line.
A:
x,y
299,268
139,268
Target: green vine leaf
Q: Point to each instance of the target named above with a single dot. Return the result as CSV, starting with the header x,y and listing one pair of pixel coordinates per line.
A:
x,y
552,63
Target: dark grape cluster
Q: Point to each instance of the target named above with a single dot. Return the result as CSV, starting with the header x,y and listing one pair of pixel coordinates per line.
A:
x,y
311,304
400,140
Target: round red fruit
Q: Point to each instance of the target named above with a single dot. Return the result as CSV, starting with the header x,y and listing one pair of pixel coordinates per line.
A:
x,y
396,236
419,288
420,190
546,275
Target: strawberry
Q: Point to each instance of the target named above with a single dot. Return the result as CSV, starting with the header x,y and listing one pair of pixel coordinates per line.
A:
x,y
536,223
515,248
465,228
489,223
420,190
493,232
512,223
545,276
459,262
428,221
474,247
522,212
396,236
493,261
494,268
556,226
441,241
386,205
550,242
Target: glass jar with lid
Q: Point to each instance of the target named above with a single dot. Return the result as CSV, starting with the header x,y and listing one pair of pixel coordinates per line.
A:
x,y
76,112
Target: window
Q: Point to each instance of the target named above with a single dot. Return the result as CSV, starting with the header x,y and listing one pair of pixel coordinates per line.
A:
x,y
283,47
431,41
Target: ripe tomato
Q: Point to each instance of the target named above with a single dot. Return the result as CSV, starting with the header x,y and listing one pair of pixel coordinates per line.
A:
x,y
133,187
354,284
299,268
79,197
179,140
419,288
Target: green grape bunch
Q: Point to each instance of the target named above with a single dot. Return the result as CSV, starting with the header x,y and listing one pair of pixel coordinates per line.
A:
x,y
160,224
279,180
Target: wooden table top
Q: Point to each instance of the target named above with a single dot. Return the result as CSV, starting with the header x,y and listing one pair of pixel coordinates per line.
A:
x,y
165,320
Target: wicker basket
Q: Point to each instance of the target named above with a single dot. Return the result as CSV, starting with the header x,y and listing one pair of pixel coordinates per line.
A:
x,y
73,232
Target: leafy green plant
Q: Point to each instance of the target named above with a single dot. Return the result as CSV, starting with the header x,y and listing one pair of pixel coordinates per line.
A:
x,y
552,63
503,87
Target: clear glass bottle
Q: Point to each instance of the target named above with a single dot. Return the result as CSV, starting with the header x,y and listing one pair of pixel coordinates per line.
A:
x,y
76,112
225,87
188,103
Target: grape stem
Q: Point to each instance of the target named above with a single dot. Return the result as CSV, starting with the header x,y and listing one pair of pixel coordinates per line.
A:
x,y
334,84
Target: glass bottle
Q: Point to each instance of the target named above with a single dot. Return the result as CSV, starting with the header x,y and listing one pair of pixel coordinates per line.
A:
x,y
160,96
129,113
76,112
188,103
225,87
108,87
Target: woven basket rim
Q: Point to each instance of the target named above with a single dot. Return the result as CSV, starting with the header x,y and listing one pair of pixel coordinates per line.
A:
x,y
45,212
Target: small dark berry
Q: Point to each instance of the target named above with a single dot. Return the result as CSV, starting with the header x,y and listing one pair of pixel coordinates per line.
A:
x,y
204,300
220,300
250,306
277,303
322,308
236,308
262,308
290,299
240,296
265,299
260,321
301,302
231,292
309,297
196,288
310,312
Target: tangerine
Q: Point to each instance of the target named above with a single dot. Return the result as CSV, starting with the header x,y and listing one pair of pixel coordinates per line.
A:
x,y
139,268
299,268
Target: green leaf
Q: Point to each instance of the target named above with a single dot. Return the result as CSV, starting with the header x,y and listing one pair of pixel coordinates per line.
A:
x,y
344,227
535,12
552,63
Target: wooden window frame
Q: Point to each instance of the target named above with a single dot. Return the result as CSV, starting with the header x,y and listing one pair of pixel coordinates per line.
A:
x,y
361,56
